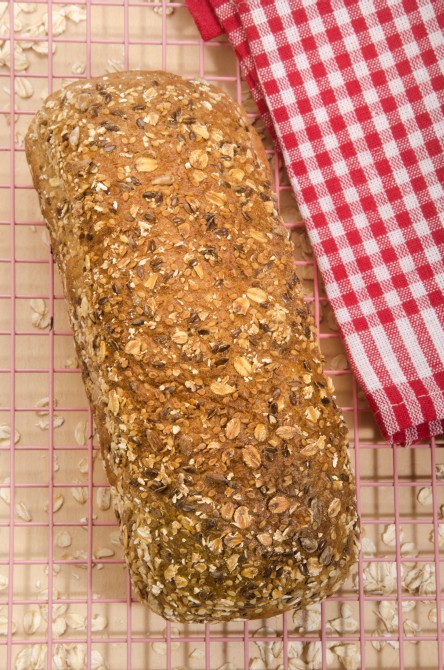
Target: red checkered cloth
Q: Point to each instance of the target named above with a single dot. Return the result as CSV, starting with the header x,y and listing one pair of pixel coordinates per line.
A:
x,y
353,90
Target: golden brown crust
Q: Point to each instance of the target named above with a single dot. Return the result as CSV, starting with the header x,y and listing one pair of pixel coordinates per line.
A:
x,y
218,427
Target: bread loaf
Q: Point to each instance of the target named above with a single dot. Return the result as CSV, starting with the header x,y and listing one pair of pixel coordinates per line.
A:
x,y
222,441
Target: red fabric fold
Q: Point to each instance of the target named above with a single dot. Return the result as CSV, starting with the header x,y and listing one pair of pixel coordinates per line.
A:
x,y
205,18
354,93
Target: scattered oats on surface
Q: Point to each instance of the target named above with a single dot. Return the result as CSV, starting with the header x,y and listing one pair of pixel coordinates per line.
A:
x,y
4,625
159,648
26,7
114,537
23,87
42,406
44,423
114,65
59,626
440,471
84,466
409,549
63,539
78,67
79,493
349,655
76,621
420,579
440,535
339,362
58,23
21,61
347,624
257,663
433,614
157,9
380,578
75,13
389,535
44,237
368,546
5,491
314,656
103,498
31,621
5,435
22,511
411,628
71,362
76,657
104,552
4,582
98,623
32,658
97,661
307,619
425,496
57,504
81,433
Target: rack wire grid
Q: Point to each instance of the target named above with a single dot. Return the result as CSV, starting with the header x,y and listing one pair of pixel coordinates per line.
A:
x,y
65,596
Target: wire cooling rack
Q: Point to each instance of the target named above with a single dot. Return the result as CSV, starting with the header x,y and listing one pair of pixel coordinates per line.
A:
x,y
65,598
